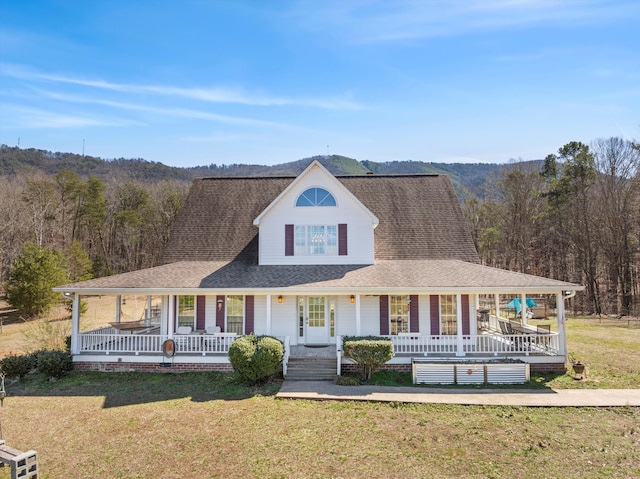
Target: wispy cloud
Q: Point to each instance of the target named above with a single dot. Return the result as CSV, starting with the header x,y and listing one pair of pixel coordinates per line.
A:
x,y
209,95
379,21
166,112
25,117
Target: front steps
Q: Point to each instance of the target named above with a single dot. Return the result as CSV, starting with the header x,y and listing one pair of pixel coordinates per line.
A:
x,y
311,369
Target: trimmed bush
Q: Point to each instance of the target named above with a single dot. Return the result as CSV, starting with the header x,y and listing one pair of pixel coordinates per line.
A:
x,y
17,366
54,364
256,358
369,353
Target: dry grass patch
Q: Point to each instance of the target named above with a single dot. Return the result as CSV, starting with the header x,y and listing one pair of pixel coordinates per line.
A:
x,y
93,425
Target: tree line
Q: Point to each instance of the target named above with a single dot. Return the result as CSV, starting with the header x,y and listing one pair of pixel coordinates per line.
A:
x,y
576,219
573,217
100,227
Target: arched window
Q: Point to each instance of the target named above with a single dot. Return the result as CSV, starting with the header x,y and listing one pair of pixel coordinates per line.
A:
x,y
316,197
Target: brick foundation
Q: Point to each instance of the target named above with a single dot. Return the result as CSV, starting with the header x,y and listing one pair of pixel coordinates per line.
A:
x,y
548,368
353,368
151,367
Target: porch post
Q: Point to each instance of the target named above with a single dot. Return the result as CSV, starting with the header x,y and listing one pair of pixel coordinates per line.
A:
x,y
460,342
118,308
148,314
172,315
268,314
523,308
358,319
75,324
562,333
496,298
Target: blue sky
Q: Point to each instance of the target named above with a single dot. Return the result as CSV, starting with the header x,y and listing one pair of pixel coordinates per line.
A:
x,y
192,83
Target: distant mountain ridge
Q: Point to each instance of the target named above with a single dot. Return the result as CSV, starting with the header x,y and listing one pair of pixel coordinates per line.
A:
x,y
14,160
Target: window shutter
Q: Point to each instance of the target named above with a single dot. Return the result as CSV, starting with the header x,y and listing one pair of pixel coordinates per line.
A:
x,y
434,310
342,239
249,315
414,315
220,312
466,328
384,315
201,302
288,240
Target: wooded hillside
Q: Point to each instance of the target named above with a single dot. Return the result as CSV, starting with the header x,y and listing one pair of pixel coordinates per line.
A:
x,y
574,216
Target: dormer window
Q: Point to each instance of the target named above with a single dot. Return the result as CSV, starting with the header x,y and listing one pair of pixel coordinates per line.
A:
x,y
316,197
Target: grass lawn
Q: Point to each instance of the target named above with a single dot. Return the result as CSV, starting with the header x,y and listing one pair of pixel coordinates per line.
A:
x,y
207,425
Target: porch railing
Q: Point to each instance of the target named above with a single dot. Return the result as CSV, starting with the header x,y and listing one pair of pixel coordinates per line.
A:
x,y
488,344
109,341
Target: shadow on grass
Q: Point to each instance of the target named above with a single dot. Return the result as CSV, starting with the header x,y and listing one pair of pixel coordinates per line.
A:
x,y
126,389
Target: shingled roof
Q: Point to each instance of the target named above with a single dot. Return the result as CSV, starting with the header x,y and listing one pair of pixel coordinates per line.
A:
x,y
420,218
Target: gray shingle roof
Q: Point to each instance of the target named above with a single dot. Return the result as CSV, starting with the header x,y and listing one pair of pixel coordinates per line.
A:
x,y
419,215
385,275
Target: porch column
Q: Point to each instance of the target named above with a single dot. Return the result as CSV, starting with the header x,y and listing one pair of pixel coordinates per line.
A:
x,y
562,332
358,319
523,310
496,298
460,342
268,314
148,314
118,308
75,324
172,315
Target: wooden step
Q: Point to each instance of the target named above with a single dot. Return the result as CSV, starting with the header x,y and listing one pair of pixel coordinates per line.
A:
x,y
311,369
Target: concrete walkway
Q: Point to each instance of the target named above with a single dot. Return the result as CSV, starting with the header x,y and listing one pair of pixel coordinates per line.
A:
x,y
327,390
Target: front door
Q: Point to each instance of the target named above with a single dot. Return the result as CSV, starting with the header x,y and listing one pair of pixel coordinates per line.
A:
x,y
312,315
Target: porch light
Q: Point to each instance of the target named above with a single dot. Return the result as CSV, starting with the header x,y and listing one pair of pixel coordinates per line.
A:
x,y
279,299
352,299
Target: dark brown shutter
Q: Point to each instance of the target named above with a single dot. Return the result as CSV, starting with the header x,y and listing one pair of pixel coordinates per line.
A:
x,y
201,302
249,316
288,240
384,315
466,327
434,310
220,312
414,315
342,239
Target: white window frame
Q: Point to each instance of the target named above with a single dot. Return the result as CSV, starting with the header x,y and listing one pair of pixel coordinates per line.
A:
x,y
182,321
399,314
229,304
448,314
315,240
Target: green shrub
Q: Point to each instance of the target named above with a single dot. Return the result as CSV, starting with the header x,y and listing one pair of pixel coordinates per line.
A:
x,y
256,358
368,352
17,366
54,364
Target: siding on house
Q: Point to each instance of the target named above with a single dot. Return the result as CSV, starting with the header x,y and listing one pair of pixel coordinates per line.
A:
x,y
276,244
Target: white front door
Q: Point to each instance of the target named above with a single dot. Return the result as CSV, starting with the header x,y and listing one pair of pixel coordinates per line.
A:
x,y
313,312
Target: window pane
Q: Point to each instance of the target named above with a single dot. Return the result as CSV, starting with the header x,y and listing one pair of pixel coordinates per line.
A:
x,y
186,311
399,314
448,314
316,197
235,314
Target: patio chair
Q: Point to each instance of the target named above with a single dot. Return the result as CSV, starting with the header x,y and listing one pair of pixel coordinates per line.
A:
x,y
182,337
503,327
212,330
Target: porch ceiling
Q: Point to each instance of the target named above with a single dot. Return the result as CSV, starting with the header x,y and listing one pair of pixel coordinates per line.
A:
x,y
390,275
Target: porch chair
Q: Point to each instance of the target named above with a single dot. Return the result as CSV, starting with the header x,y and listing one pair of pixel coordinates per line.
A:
x,y
212,329
182,337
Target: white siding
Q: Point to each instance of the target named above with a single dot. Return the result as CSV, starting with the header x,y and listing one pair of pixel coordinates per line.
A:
x,y
210,312
345,317
359,224
424,314
260,314
284,318
369,315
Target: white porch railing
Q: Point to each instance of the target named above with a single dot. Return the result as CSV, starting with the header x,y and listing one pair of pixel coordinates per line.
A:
x,y
487,344
109,341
